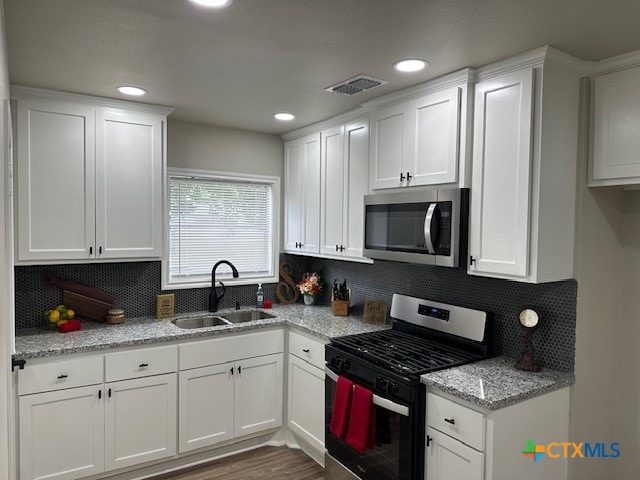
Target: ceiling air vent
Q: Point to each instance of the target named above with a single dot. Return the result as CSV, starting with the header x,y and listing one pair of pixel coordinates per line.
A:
x,y
355,85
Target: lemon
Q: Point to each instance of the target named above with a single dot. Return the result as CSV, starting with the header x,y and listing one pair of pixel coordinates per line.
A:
x,y
54,316
70,313
61,322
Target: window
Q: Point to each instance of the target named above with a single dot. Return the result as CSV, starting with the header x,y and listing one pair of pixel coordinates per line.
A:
x,y
215,216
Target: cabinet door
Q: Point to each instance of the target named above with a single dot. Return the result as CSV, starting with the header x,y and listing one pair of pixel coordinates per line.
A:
x,y
389,133
616,139
356,163
311,193
206,406
258,394
332,190
128,185
55,181
62,434
501,184
140,421
306,402
435,124
293,207
447,459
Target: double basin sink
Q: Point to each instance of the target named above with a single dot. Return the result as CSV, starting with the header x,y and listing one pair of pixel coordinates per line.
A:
x,y
223,319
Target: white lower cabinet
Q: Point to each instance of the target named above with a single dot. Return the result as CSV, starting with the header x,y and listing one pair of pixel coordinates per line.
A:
x,y
258,394
230,387
69,433
140,421
305,391
206,406
306,402
468,442
447,458
62,434
234,399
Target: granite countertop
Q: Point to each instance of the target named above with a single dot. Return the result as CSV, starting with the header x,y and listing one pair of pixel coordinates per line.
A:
x,y
495,383
94,336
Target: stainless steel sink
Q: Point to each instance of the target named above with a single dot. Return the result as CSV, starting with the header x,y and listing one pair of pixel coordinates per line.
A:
x,y
223,319
200,322
246,316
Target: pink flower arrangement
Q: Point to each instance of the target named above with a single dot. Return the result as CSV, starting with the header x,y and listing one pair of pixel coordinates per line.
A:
x,y
310,284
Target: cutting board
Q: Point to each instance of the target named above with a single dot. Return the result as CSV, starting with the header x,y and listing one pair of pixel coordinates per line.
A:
x,y
86,306
81,289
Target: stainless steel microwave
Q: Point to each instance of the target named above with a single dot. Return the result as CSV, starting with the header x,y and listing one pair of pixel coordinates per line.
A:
x,y
427,226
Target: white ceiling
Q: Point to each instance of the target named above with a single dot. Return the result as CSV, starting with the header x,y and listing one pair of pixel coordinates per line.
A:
x,y
237,66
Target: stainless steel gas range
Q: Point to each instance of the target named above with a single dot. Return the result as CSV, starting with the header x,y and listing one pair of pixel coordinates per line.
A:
x,y
425,336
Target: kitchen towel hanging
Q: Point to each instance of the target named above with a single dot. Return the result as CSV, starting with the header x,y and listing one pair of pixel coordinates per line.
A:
x,y
341,407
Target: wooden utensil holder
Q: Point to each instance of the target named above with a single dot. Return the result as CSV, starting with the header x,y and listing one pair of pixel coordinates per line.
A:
x,y
340,308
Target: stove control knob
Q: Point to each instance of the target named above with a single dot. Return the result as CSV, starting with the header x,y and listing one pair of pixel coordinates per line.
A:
x,y
346,365
336,362
382,384
393,387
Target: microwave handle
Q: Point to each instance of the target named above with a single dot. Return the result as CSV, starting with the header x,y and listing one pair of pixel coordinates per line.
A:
x,y
428,233
379,401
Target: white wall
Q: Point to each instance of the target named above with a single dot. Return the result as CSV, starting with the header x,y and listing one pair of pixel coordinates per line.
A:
x,y
206,147
6,272
627,425
598,270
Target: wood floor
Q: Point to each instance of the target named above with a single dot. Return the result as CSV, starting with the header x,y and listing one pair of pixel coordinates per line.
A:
x,y
266,463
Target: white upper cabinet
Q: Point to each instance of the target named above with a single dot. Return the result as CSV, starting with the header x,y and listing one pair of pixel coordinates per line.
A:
x,y
616,128
501,174
128,185
417,142
55,174
302,195
344,162
88,178
524,173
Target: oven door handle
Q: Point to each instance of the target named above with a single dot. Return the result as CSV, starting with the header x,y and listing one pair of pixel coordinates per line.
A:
x,y
377,400
428,234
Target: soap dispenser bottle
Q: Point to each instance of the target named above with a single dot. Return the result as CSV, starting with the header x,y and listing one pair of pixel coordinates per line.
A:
x,y
259,297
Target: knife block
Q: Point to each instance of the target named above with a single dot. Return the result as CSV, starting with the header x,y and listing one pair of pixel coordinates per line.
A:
x,y
340,308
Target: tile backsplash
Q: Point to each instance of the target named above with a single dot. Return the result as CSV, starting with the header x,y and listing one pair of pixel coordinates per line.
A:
x,y
554,340
137,283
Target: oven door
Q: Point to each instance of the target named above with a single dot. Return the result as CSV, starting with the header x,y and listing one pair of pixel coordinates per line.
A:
x,y
397,455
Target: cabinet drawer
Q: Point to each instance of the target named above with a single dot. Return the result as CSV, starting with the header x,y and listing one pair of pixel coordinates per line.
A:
x,y
46,377
307,349
455,420
229,349
141,363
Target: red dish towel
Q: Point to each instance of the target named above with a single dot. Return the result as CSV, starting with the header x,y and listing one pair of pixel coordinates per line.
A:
x,y
341,407
362,422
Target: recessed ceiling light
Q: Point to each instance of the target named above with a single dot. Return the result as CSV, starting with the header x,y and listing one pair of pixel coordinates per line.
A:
x,y
284,116
213,3
135,91
411,65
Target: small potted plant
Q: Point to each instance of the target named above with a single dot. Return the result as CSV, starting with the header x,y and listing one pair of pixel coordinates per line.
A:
x,y
310,286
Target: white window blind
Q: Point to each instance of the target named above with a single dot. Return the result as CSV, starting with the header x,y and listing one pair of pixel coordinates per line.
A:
x,y
213,218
